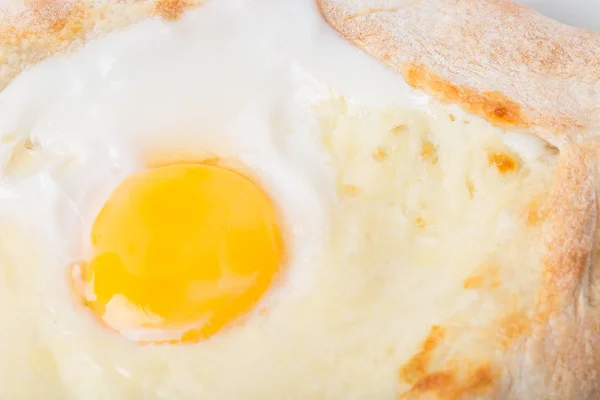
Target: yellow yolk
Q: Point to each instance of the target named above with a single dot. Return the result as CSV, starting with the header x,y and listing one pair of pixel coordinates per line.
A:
x,y
186,245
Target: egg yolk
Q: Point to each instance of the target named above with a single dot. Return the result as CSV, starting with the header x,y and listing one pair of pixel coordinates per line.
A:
x,y
185,248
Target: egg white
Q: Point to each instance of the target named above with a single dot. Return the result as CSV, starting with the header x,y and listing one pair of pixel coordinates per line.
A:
x,y
240,80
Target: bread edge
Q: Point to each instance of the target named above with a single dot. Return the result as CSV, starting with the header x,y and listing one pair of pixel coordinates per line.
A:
x,y
524,72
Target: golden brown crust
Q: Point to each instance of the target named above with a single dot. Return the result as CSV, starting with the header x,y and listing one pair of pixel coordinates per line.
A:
x,y
171,9
565,344
498,59
492,105
450,382
47,27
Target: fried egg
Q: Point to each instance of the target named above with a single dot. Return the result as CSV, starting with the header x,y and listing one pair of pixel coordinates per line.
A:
x,y
238,204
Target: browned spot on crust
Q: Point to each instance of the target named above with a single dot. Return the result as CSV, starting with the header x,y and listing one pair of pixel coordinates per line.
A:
x,y
416,367
435,381
480,381
512,327
71,26
380,154
57,15
452,117
171,9
429,152
486,277
59,23
503,162
452,385
493,106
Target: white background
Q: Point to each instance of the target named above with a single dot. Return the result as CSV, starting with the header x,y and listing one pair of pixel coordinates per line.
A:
x,y
583,13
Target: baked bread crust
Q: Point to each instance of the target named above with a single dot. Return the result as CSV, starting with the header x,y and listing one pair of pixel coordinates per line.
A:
x,y
522,71
41,28
498,60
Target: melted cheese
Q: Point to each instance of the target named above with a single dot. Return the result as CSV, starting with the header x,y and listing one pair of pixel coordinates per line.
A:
x,y
444,220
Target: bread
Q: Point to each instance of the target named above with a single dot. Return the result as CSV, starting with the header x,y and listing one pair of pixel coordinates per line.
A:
x,y
500,61
521,71
40,28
